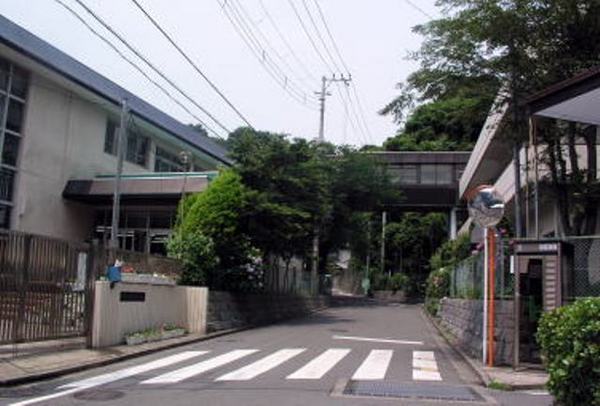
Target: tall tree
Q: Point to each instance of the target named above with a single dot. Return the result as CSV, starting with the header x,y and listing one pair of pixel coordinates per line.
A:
x,y
524,46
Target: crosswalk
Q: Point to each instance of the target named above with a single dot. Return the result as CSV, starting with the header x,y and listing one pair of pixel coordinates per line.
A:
x,y
374,366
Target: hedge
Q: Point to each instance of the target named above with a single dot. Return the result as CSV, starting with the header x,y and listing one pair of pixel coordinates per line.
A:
x,y
570,342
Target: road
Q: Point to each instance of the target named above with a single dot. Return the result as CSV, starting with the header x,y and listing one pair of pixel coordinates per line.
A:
x,y
341,356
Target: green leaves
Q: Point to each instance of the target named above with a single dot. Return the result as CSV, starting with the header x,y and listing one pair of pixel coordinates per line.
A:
x,y
570,341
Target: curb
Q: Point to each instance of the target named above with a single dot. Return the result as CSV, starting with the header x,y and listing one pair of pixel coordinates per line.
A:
x,y
483,375
34,377
30,378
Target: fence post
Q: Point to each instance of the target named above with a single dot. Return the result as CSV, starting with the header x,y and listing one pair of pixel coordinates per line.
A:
x,y
90,284
22,280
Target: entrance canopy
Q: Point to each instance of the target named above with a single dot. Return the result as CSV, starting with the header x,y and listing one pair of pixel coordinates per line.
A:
x,y
575,99
152,188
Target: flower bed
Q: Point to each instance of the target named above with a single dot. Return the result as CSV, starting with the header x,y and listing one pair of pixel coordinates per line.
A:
x,y
154,334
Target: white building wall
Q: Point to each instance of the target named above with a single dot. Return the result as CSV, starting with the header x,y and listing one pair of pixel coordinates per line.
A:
x,y
63,139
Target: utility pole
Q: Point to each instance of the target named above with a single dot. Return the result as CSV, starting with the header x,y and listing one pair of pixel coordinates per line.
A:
x,y
325,82
121,137
383,224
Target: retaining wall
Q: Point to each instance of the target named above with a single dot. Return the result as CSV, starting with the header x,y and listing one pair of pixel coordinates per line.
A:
x,y
228,310
463,318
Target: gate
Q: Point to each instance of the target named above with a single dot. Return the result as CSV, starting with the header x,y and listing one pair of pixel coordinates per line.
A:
x,y
44,288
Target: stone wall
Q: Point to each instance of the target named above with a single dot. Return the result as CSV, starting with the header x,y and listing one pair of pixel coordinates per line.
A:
x,y
228,310
463,318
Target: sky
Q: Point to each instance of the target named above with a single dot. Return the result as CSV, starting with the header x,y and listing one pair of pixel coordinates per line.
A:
x,y
373,38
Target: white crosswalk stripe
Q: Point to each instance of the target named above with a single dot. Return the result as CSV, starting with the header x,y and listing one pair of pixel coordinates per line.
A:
x,y
425,367
319,366
196,369
113,376
136,370
262,365
374,367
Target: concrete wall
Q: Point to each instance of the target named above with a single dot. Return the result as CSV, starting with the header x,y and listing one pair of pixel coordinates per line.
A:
x,y
463,318
228,310
180,305
63,139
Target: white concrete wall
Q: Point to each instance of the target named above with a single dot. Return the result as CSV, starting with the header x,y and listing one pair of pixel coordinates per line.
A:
x,y
183,306
63,138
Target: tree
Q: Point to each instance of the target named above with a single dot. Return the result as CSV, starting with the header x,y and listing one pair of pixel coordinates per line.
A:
x,y
299,189
213,217
524,46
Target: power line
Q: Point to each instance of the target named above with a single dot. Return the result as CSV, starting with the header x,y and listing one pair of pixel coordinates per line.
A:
x,y
246,17
261,55
310,39
335,47
320,37
135,66
287,84
419,9
361,128
191,62
289,48
147,62
362,122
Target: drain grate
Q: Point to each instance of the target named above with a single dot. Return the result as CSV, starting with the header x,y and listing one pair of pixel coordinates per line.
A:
x,y
412,391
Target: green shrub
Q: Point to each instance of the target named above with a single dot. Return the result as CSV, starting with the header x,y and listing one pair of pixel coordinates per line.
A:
x,y
196,252
437,287
570,342
399,281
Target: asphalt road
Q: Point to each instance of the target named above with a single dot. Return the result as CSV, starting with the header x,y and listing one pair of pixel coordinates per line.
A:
x,y
349,355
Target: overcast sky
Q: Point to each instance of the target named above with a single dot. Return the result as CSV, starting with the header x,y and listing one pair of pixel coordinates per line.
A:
x,y
373,37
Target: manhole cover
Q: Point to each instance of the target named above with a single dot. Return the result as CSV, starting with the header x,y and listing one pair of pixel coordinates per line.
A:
x,y
99,395
412,391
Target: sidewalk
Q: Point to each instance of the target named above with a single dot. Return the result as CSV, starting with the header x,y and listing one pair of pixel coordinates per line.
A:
x,y
34,364
501,377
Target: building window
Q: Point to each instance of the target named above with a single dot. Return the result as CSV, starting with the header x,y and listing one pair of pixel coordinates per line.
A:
x,y
13,93
428,174
436,175
166,161
137,145
443,175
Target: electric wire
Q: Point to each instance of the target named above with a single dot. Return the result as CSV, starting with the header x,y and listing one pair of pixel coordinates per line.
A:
x,y
245,15
361,115
330,35
150,64
309,36
419,9
286,43
191,62
258,51
288,84
320,37
136,66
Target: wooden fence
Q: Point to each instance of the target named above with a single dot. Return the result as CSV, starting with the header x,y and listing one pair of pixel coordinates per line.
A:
x,y
46,284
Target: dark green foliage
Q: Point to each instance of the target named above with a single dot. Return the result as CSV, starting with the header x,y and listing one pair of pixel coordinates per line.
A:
x,y
437,287
446,257
570,342
214,214
197,253
411,239
399,281
451,253
451,124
